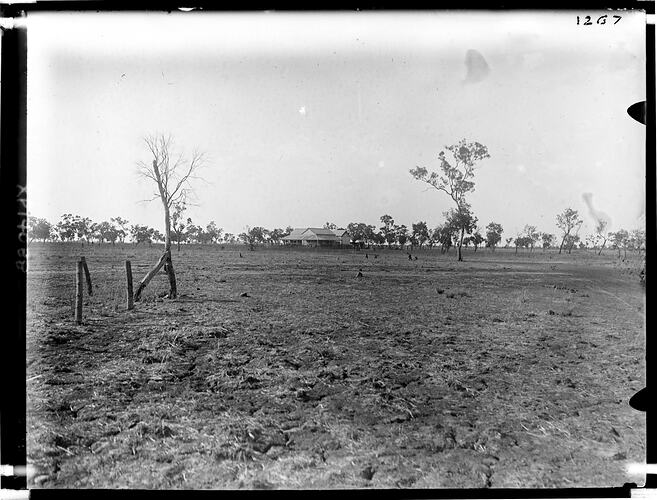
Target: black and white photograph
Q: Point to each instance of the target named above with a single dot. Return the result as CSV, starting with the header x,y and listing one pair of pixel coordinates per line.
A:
x,y
335,250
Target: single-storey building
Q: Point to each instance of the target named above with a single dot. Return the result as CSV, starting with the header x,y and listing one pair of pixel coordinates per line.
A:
x,y
317,237
343,236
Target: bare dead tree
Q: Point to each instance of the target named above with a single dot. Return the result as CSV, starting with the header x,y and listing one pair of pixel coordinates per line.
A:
x,y
171,174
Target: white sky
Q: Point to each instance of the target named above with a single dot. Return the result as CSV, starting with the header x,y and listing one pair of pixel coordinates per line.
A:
x,y
308,118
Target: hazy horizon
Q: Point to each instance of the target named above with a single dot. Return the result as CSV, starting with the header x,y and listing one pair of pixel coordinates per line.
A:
x,y
314,118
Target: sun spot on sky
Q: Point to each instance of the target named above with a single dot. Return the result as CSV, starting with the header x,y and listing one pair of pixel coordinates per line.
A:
x,y
302,111
381,164
521,168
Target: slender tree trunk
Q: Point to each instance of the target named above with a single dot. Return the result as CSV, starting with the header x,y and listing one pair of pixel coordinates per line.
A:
x,y
602,247
168,266
562,242
460,256
173,288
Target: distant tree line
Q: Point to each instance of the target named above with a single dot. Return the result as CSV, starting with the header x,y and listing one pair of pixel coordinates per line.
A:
x,y
445,236
420,235
117,230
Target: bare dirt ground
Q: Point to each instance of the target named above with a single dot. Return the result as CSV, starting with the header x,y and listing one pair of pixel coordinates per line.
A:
x,y
501,371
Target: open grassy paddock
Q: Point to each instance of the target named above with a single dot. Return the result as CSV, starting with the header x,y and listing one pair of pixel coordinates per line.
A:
x,y
505,370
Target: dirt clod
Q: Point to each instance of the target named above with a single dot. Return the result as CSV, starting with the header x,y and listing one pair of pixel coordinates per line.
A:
x,y
368,473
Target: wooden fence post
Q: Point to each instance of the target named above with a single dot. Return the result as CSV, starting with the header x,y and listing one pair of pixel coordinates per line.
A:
x,y
88,276
78,293
128,273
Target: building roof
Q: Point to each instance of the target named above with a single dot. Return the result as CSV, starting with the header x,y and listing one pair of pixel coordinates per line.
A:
x,y
315,234
295,234
319,233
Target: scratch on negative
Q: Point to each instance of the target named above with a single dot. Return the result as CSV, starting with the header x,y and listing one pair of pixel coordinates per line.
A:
x,y
617,298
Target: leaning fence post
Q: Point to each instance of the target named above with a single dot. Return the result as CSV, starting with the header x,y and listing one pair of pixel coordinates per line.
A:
x,y
78,293
86,273
128,274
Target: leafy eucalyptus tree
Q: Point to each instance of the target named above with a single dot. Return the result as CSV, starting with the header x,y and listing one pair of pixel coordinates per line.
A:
x,y
455,178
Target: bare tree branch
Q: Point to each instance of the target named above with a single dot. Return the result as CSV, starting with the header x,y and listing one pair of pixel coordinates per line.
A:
x,y
193,165
148,200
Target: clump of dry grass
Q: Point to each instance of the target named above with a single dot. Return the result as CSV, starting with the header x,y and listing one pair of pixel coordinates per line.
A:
x,y
523,297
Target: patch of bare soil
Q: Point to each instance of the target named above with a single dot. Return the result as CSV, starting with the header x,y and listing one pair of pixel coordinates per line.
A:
x,y
501,371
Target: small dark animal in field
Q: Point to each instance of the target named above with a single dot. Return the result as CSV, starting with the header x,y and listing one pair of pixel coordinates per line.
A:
x,y
440,291
415,258
244,294
376,256
366,256
360,273
410,257
240,255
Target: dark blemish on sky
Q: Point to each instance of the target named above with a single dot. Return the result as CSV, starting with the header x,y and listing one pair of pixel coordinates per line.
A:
x,y
477,67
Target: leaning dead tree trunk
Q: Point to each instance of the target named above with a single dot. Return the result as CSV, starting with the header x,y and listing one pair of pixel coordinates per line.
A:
x,y
144,282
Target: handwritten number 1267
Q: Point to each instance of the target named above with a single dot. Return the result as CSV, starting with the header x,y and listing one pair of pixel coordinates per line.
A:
x,y
601,20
